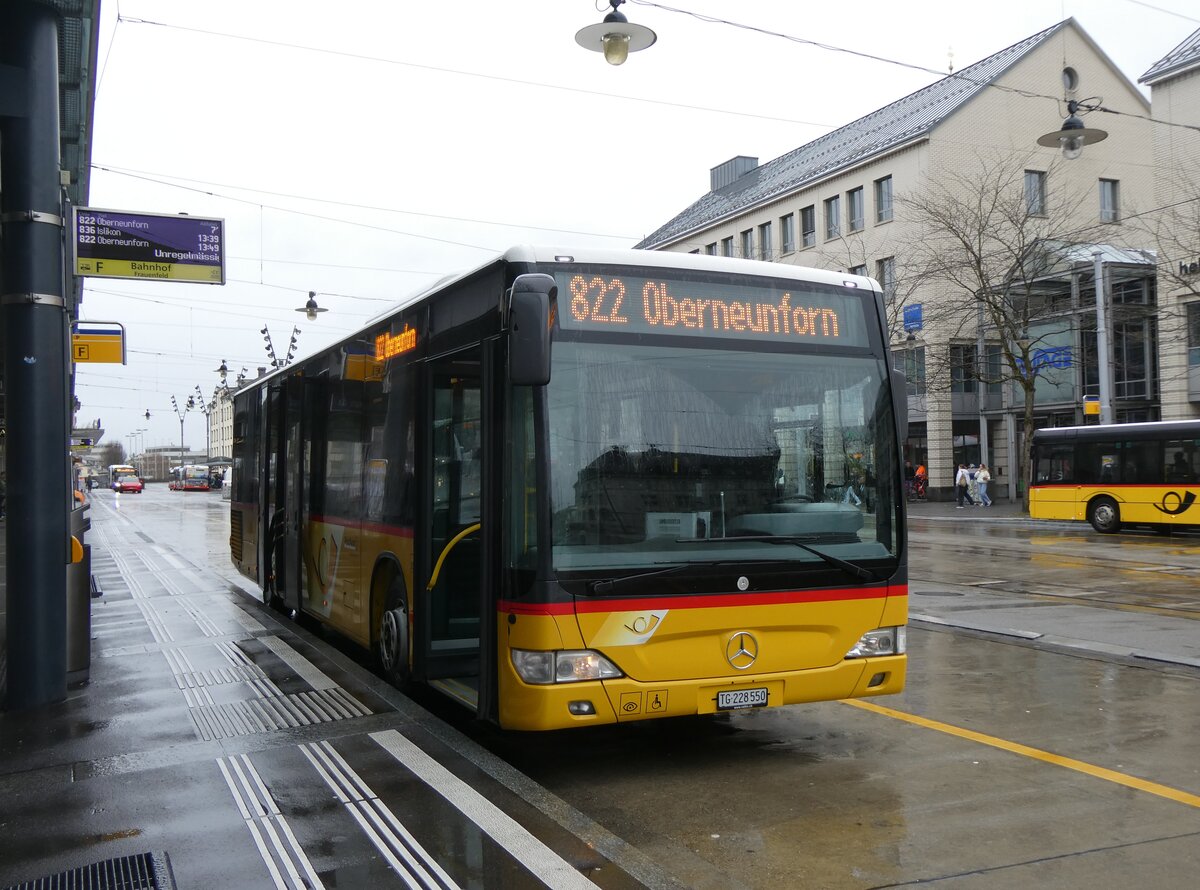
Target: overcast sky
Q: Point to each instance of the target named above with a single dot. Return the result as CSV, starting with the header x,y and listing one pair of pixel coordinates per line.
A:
x,y
365,148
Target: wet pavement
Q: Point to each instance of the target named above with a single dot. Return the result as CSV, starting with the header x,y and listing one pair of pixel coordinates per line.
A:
x,y
239,750
996,571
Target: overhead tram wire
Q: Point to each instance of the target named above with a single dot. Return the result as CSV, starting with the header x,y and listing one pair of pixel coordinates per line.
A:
x,y
829,47
513,80
1180,15
1029,94
150,176
218,306
292,210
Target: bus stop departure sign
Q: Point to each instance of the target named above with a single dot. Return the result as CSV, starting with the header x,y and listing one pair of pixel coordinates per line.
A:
x,y
125,244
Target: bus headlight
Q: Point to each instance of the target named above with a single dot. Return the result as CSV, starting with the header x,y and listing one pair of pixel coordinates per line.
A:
x,y
883,641
569,666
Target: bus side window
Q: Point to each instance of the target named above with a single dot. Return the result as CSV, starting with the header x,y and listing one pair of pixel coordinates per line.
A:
x,y
1178,462
1141,462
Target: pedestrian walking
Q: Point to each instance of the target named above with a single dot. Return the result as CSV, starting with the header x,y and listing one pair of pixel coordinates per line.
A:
x,y
973,484
983,477
962,480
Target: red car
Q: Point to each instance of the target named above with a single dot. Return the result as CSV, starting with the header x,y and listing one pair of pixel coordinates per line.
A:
x,y
128,483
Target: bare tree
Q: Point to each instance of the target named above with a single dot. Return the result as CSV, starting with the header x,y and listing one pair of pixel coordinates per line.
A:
x,y
852,252
112,453
986,249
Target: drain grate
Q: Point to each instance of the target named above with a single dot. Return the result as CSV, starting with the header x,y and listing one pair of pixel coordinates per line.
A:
x,y
142,871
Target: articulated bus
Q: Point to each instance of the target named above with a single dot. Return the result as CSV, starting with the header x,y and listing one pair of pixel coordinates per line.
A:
x,y
1118,474
585,487
190,477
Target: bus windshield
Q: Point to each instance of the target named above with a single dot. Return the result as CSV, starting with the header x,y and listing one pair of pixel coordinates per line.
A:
x,y
664,454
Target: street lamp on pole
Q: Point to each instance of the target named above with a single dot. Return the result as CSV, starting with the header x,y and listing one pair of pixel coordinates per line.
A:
x,y
206,410
181,413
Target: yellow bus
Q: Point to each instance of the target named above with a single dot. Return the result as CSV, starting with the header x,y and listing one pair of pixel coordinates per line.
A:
x,y
1118,474
569,488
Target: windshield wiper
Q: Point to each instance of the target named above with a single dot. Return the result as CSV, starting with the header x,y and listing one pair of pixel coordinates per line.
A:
x,y
804,543
609,584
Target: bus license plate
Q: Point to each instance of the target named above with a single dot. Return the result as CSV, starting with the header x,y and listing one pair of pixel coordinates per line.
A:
x,y
741,698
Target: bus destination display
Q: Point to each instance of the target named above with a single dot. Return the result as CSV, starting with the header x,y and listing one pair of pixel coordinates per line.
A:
x,y
715,308
124,244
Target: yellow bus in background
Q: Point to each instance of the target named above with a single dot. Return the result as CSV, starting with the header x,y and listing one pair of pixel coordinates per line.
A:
x,y
1115,475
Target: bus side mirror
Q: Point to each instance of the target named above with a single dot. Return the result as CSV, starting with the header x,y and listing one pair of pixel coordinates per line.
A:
x,y
529,329
900,403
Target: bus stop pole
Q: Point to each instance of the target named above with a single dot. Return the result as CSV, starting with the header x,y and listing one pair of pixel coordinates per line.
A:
x,y
35,357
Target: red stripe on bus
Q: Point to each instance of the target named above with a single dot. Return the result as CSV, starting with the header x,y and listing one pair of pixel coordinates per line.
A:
x,y
715,601
1101,487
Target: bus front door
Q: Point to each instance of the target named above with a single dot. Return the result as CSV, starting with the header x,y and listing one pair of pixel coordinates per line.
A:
x,y
452,623
296,470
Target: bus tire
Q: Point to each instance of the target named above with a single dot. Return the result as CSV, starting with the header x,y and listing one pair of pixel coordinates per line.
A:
x,y
391,643
1104,515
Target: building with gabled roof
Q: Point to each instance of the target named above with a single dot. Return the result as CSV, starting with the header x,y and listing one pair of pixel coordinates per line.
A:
x,y
838,202
1174,83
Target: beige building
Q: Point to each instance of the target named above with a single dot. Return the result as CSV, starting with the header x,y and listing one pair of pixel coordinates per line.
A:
x,y
220,424
845,201
1174,84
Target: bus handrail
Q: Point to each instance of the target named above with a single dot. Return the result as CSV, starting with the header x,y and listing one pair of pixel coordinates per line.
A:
x,y
437,567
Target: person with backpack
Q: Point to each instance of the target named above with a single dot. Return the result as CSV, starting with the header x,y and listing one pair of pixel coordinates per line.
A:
x,y
962,480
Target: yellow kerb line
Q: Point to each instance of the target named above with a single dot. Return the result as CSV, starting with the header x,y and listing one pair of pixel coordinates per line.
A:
x,y
1099,772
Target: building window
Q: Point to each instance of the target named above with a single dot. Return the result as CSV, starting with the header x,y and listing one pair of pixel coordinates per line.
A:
x,y
885,274
765,246
883,200
1110,208
833,217
711,249
962,368
787,233
1132,360
1035,193
859,270
855,210
748,244
912,363
808,226
993,357
727,246
1193,327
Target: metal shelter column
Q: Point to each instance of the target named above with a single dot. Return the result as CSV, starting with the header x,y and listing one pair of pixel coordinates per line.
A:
x,y
35,357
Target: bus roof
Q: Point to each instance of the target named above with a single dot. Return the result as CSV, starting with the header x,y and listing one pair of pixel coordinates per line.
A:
x,y
1159,429
541,254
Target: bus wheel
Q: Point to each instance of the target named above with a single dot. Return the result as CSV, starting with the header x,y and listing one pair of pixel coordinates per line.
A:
x,y
391,646
1104,515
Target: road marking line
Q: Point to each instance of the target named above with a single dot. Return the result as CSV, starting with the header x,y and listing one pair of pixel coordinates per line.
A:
x,y
263,819
554,871
1099,772
411,861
